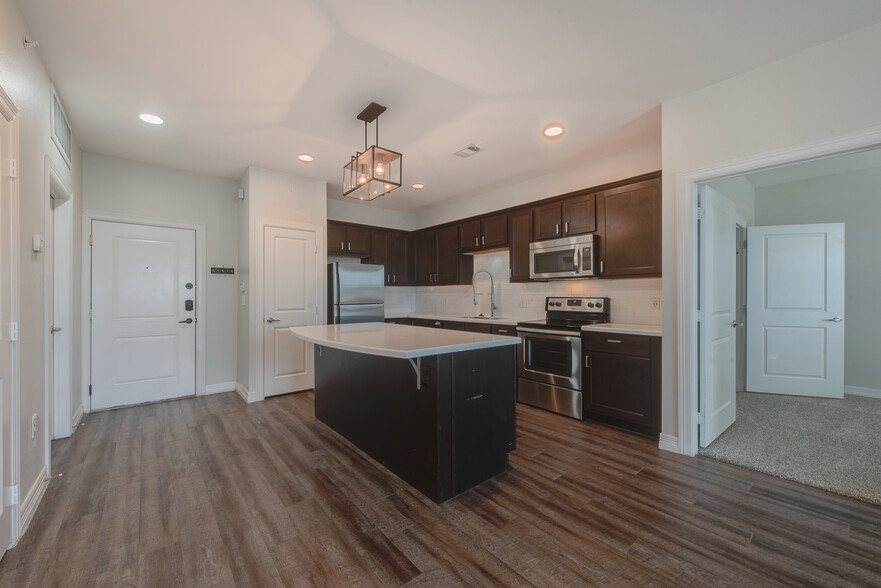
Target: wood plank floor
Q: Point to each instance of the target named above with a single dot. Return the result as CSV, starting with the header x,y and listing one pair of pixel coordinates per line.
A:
x,y
213,492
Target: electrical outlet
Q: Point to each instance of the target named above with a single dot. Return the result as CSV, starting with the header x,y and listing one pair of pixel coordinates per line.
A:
x,y
656,303
33,425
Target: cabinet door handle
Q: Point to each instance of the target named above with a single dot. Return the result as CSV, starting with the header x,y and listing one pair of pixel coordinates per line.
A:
x,y
566,227
557,228
601,267
614,340
476,242
342,246
350,245
587,361
395,278
483,239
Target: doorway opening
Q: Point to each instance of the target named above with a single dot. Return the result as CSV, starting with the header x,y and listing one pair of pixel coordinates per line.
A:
x,y
805,409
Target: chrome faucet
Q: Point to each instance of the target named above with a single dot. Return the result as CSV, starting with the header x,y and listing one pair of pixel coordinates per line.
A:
x,y
492,292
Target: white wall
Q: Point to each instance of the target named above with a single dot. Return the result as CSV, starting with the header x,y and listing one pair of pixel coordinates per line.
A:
x,y
821,92
277,196
854,199
129,187
24,79
367,213
632,162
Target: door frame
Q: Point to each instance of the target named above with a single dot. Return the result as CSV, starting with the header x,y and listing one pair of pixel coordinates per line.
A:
x,y
687,187
256,351
58,389
201,284
10,113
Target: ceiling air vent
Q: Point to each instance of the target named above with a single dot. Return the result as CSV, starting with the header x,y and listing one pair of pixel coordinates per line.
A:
x,y
468,151
60,128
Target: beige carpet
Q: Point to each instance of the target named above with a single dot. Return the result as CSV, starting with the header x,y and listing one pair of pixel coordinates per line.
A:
x,y
830,444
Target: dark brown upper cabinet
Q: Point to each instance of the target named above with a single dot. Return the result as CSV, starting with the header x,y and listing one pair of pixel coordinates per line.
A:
x,y
520,233
629,227
547,221
579,215
347,240
400,260
483,234
436,257
563,218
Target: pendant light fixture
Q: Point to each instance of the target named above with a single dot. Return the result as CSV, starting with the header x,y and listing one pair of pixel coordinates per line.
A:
x,y
375,171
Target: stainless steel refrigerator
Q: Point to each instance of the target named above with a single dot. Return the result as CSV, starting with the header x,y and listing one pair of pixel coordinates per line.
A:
x,y
355,293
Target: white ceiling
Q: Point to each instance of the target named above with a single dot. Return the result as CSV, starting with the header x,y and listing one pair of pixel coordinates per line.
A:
x,y
255,83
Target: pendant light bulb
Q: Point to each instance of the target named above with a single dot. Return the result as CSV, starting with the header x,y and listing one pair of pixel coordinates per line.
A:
x,y
362,179
380,170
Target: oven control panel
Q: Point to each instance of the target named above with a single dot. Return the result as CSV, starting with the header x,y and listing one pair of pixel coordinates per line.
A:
x,y
595,305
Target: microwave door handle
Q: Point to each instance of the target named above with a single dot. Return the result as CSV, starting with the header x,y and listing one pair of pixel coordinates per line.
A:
x,y
576,259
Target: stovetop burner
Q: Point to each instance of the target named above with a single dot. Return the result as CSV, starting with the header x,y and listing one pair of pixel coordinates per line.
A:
x,y
570,314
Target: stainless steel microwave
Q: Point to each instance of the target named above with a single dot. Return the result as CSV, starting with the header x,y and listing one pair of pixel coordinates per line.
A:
x,y
572,257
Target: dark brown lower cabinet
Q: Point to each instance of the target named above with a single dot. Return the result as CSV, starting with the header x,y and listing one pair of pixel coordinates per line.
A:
x,y
622,381
478,328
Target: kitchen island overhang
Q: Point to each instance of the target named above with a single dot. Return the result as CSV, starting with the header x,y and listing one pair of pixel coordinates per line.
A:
x,y
435,407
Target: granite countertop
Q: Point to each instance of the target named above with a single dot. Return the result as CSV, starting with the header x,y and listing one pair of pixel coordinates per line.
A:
x,y
399,341
625,329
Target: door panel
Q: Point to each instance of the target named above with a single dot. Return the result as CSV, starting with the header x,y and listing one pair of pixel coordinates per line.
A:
x,y
448,255
358,241
469,236
8,224
579,215
495,231
425,258
795,301
289,299
521,237
141,351
718,330
546,221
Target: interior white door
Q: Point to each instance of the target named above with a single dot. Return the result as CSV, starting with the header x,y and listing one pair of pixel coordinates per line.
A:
x,y
290,298
795,310
143,328
718,329
7,235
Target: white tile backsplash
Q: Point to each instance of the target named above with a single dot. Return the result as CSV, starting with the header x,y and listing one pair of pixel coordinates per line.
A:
x,y
631,299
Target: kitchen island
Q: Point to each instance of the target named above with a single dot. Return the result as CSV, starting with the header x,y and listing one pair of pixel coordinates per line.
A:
x,y
435,407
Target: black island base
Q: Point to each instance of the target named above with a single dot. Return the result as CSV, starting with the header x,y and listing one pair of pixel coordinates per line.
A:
x,y
443,437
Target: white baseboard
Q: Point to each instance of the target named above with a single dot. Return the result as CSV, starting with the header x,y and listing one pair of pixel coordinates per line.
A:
x,y
76,418
857,391
218,388
29,507
246,395
669,443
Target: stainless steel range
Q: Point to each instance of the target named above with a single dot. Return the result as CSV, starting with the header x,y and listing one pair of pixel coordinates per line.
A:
x,y
550,362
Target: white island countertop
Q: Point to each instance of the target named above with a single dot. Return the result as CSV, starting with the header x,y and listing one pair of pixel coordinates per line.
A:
x,y
625,329
399,341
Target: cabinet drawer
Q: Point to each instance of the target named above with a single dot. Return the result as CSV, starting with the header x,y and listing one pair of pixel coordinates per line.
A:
x,y
637,345
508,330
478,328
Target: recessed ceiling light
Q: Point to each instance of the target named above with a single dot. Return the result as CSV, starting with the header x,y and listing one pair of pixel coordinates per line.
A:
x,y
553,130
152,119
417,186
305,157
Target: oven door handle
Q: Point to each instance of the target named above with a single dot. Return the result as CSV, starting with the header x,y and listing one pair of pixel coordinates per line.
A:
x,y
573,335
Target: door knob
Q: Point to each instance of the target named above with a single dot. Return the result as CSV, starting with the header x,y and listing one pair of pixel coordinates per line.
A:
x,y
55,330
273,320
834,319
735,324
188,321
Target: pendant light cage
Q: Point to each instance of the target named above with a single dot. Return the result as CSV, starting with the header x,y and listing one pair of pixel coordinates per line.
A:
x,y
376,170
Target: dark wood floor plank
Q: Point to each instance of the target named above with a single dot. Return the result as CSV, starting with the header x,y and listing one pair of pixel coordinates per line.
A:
x,y
210,491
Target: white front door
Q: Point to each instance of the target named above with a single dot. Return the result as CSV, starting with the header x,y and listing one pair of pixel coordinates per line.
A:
x,y
143,348
718,328
290,298
795,310
7,287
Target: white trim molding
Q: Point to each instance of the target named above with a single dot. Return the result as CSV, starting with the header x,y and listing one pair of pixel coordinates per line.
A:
x,y
246,395
867,392
32,501
201,286
687,186
76,418
218,388
669,443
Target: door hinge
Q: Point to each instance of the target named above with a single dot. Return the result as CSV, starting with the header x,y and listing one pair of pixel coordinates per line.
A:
x,y
701,420
10,495
91,242
13,168
700,316
90,389
700,213
13,332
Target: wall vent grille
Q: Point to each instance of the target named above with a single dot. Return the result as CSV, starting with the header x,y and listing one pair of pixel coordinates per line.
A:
x,y
60,128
